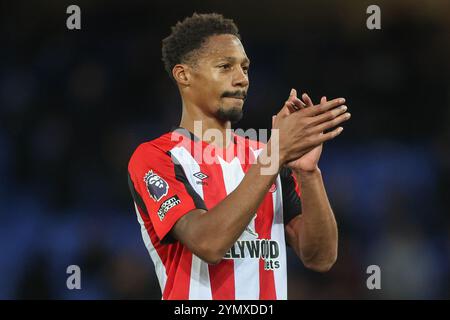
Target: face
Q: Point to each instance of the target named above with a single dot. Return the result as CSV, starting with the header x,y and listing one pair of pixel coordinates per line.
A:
x,y
219,78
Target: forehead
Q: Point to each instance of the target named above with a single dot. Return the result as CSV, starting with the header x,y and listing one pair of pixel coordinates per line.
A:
x,y
224,45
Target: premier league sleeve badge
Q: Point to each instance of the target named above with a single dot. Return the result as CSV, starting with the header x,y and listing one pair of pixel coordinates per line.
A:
x,y
157,187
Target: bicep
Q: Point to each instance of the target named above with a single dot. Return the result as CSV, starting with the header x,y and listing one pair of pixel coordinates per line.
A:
x,y
192,231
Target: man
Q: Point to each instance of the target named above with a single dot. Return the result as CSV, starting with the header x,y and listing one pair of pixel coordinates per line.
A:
x,y
215,224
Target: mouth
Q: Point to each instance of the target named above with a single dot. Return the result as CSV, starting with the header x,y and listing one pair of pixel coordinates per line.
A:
x,y
236,95
237,98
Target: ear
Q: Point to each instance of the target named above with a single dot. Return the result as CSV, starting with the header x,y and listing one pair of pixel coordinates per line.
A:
x,y
180,73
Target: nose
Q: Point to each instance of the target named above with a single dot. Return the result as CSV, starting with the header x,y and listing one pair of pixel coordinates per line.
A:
x,y
240,78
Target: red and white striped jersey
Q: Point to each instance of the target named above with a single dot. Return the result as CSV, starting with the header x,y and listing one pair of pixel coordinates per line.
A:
x,y
169,176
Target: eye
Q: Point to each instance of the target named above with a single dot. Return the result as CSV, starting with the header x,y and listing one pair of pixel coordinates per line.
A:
x,y
225,66
245,68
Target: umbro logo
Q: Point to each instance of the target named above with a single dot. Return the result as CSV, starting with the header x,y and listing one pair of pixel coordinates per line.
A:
x,y
201,176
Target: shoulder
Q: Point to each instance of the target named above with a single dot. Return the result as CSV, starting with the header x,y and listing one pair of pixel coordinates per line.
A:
x,y
154,151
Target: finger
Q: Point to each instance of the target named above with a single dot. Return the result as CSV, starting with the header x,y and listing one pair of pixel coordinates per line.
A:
x,y
330,124
292,102
285,110
295,101
322,108
288,108
298,104
307,100
324,137
273,120
327,116
329,135
323,100
304,151
292,94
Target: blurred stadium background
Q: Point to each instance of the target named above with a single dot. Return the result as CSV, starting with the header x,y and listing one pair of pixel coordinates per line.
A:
x,y
75,104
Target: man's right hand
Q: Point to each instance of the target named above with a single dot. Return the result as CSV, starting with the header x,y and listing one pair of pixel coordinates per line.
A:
x,y
299,131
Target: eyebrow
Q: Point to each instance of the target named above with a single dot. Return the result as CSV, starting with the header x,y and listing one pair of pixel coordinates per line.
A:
x,y
233,59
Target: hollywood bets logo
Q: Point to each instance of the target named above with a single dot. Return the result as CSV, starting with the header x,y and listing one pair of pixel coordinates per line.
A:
x,y
266,249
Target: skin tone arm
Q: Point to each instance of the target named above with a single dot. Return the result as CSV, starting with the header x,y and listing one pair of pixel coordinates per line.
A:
x,y
210,235
313,235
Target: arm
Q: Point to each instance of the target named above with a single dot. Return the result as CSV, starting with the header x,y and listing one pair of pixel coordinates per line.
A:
x,y
313,235
210,234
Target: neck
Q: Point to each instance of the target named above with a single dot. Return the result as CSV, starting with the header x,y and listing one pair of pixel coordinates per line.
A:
x,y
206,127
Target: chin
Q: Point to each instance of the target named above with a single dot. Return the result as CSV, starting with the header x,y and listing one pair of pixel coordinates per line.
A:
x,y
232,113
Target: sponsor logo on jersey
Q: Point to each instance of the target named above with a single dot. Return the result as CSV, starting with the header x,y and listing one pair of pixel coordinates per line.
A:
x,y
201,177
167,205
157,187
266,249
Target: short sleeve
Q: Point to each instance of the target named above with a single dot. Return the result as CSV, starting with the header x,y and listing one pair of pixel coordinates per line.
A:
x,y
291,195
160,189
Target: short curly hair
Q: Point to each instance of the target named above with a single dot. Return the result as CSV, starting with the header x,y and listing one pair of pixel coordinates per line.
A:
x,y
190,34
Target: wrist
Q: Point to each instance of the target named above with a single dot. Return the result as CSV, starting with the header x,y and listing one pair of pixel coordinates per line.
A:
x,y
269,160
277,150
307,173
